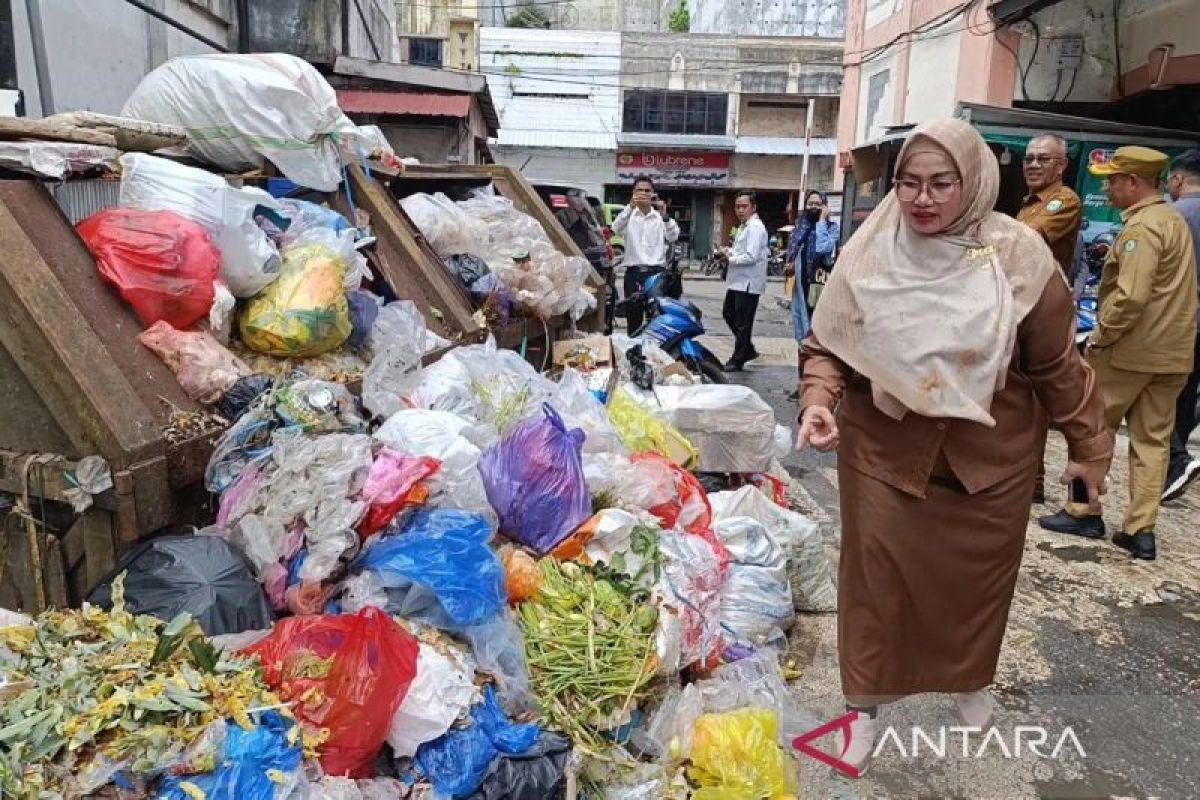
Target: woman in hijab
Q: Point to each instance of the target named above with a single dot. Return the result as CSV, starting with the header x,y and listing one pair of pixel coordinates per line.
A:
x,y
810,248
941,323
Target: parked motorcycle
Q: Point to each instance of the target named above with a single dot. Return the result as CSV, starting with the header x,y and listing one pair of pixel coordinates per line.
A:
x,y
1087,307
673,324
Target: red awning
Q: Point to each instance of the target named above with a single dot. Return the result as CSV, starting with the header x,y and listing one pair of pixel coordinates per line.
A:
x,y
424,104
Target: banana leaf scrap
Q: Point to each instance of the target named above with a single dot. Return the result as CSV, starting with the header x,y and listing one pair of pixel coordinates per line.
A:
x,y
589,640
110,692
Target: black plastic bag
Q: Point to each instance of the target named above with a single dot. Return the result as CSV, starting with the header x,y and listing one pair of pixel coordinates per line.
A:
x,y
202,575
467,268
537,774
242,395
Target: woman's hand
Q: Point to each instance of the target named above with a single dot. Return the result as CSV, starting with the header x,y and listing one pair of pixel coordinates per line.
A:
x,y
1092,473
817,428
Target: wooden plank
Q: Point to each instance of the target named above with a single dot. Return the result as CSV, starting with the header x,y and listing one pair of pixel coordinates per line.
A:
x,y
20,128
100,552
410,266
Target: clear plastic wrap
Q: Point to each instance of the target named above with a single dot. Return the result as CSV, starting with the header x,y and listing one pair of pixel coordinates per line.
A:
x,y
756,600
449,230
580,409
205,370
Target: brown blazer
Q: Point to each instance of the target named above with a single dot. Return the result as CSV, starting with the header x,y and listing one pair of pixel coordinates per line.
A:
x,y
903,453
1056,213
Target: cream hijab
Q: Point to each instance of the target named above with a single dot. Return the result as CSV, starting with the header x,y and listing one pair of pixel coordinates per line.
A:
x,y
932,321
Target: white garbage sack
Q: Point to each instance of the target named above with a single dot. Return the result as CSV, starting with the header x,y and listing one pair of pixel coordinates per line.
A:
x,y
732,428
57,160
795,534
442,691
756,600
239,109
451,440
249,261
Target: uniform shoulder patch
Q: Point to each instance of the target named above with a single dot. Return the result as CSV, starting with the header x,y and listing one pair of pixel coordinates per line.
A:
x,y
1130,245
1054,206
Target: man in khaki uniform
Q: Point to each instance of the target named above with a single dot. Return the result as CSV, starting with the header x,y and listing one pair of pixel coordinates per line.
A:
x,y
1141,349
1054,211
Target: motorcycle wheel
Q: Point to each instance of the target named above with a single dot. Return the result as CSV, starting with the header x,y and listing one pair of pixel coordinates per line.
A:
x,y
711,371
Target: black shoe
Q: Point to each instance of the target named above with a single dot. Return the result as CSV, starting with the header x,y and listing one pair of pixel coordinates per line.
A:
x,y
753,355
1039,493
733,366
1089,527
1179,478
1140,545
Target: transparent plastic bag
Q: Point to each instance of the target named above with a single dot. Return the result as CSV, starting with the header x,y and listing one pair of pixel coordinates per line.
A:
x,y
643,432
756,600
579,408
498,646
205,370
444,225
693,573
731,426
534,480
687,507
812,580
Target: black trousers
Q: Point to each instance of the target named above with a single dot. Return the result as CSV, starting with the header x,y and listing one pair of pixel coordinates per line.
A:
x,y
1185,415
635,277
739,310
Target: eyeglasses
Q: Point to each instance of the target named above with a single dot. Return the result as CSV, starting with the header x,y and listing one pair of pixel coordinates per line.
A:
x,y
939,190
1041,159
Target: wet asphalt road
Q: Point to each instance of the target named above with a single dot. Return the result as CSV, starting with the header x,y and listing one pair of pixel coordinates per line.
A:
x,y
1105,645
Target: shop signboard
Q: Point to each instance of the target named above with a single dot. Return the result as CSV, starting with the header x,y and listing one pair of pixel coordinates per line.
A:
x,y
675,168
1098,215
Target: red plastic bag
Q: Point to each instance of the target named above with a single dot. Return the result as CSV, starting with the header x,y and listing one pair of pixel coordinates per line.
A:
x,y
689,509
777,491
163,264
395,481
345,674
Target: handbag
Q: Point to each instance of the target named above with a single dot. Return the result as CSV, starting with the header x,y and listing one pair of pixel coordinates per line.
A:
x,y
817,285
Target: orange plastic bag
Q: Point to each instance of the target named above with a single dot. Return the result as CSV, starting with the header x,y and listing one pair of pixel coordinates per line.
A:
x,y
163,264
522,579
344,674
572,547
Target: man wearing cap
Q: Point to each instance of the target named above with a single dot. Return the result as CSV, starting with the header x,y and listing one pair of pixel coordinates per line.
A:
x,y
1141,350
1054,211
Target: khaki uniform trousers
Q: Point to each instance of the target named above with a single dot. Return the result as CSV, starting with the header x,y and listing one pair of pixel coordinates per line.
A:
x,y
1146,402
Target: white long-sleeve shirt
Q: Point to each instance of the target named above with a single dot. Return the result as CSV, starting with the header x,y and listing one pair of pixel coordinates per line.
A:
x,y
646,236
748,261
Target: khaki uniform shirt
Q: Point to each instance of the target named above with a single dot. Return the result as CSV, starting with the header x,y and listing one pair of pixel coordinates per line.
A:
x,y
1056,213
1148,292
906,453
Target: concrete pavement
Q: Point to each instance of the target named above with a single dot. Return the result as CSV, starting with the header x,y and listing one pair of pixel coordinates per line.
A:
x,y
1096,642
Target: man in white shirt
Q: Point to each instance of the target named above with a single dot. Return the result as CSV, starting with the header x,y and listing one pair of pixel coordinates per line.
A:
x,y
745,280
647,230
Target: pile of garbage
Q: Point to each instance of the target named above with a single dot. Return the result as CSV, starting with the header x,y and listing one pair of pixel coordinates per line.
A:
x,y
501,256
471,580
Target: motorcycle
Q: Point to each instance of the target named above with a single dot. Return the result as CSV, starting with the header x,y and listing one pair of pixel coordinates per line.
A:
x,y
673,324
1087,306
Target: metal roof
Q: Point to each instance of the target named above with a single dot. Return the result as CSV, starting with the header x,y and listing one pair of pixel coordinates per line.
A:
x,y
425,78
422,104
785,146
676,141
987,117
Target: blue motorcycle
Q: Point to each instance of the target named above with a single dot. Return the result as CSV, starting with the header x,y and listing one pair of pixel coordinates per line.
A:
x,y
1087,306
673,324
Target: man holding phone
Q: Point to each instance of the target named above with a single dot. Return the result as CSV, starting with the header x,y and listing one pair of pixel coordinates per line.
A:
x,y
647,230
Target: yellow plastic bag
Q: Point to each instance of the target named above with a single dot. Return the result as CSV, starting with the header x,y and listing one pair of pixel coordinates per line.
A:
x,y
643,432
736,755
304,311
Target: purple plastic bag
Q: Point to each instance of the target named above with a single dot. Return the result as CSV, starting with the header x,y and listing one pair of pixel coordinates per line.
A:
x,y
534,480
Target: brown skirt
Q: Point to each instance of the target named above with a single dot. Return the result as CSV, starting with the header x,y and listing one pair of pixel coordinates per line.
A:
x,y
925,585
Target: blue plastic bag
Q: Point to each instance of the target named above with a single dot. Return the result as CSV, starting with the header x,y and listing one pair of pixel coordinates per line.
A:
x,y
457,763
438,568
534,480
245,760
